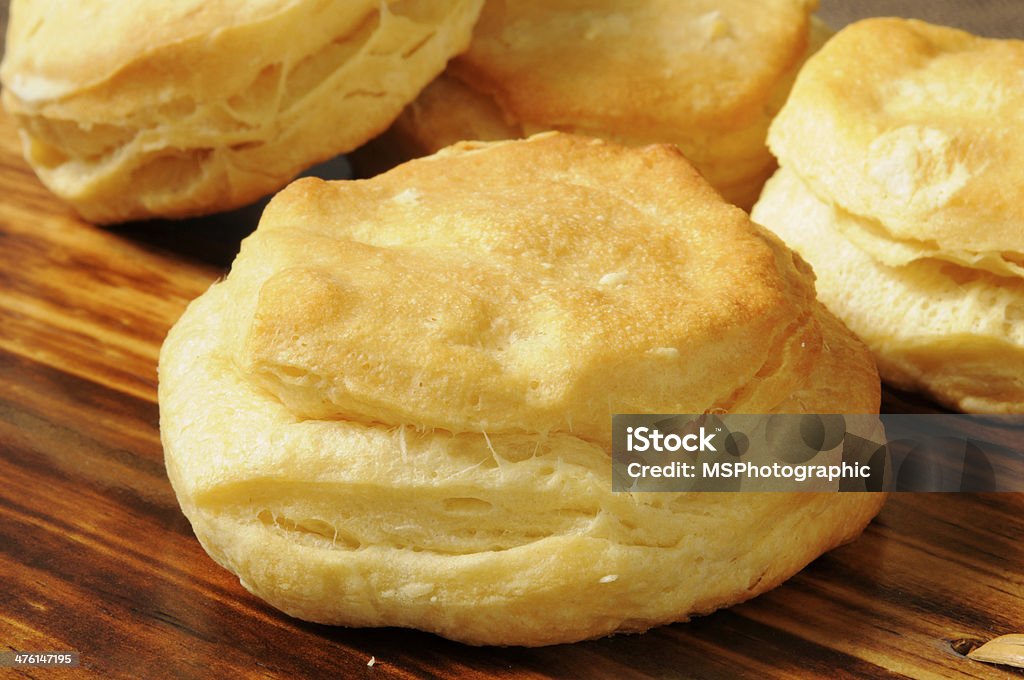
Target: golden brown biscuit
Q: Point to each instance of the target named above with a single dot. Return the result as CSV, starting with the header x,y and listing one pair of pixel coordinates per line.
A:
x,y
901,150
707,76
396,409
179,108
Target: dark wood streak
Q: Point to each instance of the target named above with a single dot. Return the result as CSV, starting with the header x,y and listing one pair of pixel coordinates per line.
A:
x,y
97,558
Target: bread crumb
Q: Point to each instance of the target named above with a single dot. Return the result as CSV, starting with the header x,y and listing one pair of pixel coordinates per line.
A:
x,y
715,25
609,578
409,196
372,661
412,591
613,279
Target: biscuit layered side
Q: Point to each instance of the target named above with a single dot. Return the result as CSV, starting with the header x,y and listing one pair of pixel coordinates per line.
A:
x,y
182,108
910,213
396,409
705,76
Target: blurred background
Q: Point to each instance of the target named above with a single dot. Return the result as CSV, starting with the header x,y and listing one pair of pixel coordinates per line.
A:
x,y
993,18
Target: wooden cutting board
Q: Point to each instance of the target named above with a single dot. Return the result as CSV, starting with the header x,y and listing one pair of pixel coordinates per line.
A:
x,y
96,557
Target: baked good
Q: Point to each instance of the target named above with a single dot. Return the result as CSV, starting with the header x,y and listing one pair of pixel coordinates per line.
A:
x,y
157,108
706,75
902,160
396,409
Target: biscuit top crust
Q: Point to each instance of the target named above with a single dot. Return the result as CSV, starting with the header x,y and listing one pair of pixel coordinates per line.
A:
x,y
203,47
646,67
538,285
55,46
918,127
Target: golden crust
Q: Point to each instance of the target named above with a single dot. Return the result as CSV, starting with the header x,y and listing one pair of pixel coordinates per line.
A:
x,y
174,109
706,76
42,63
395,409
530,302
924,135
911,212
664,61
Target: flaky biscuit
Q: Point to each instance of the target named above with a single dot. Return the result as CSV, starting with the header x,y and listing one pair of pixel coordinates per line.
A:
x,y
953,332
707,76
158,108
923,127
901,171
395,411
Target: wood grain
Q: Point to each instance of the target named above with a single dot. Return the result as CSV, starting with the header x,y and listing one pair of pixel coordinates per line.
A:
x,y
97,558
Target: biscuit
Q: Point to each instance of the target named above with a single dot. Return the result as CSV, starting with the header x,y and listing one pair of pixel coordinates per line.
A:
x,y
396,409
707,76
911,212
182,108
